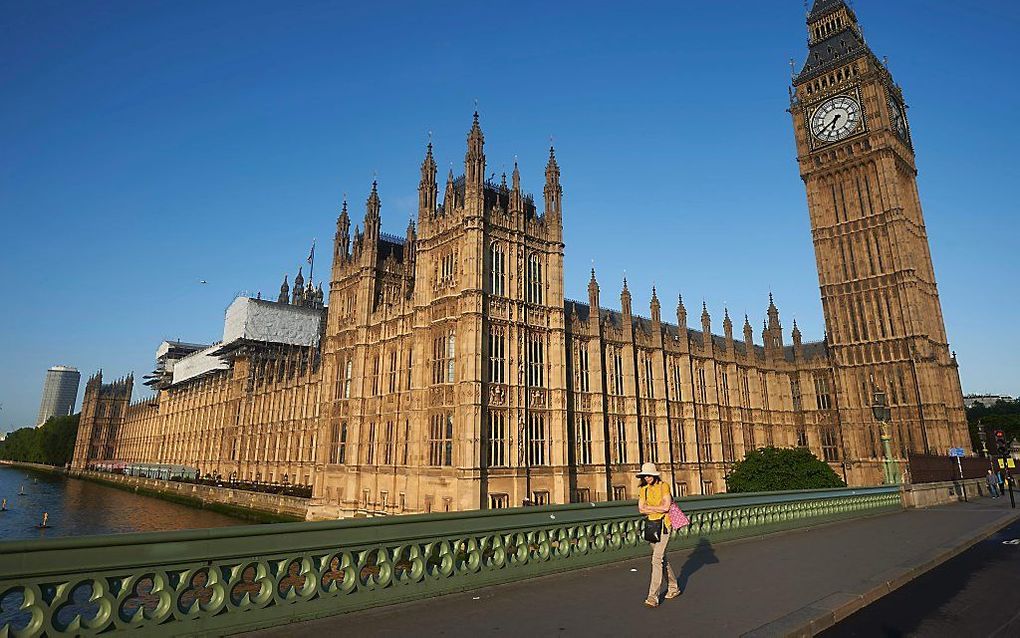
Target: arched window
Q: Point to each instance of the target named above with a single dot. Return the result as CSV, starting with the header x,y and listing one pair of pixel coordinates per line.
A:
x,y
497,261
534,283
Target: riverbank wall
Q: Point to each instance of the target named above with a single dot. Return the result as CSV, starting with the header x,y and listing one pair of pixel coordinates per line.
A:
x,y
254,506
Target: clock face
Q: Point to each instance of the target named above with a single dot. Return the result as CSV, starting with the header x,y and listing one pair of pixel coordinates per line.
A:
x,y
898,117
836,119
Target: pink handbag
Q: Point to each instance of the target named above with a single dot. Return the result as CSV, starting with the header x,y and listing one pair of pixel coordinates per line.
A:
x,y
677,518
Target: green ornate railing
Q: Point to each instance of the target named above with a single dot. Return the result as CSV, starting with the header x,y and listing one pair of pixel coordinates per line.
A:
x,y
224,580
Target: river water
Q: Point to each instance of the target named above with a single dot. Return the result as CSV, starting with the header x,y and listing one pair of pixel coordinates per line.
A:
x,y
78,508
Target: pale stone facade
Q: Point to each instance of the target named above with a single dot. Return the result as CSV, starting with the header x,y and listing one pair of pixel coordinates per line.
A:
x,y
452,374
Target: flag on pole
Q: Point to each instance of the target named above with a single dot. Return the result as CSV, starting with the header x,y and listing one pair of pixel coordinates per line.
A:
x,y
311,254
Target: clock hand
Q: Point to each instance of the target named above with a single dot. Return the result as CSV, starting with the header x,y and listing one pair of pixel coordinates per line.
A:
x,y
834,120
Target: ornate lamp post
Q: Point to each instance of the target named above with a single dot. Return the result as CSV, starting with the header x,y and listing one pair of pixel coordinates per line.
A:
x,y
881,412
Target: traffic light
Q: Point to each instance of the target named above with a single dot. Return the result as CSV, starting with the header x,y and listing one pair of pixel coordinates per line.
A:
x,y
1000,442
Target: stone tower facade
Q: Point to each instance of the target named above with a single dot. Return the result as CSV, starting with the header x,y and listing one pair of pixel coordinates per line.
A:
x,y
881,303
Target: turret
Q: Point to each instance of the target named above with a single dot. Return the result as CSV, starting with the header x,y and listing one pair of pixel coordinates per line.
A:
x,y
474,159
372,217
625,303
706,324
449,195
299,289
681,315
342,239
284,291
428,192
516,196
797,347
656,309
593,298
727,329
748,336
553,191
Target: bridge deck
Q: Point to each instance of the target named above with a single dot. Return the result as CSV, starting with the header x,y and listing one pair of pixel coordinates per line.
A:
x,y
782,581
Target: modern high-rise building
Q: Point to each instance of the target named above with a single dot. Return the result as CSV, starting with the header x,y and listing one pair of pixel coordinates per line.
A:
x,y
59,393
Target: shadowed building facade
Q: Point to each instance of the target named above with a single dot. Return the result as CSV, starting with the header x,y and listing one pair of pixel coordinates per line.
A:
x,y
450,373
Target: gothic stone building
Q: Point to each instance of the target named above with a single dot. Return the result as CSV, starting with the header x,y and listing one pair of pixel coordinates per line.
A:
x,y
449,372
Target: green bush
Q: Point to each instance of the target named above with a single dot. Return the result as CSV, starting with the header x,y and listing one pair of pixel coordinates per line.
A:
x,y
771,469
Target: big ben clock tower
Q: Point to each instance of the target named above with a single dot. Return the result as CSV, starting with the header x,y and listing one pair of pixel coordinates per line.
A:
x,y
882,312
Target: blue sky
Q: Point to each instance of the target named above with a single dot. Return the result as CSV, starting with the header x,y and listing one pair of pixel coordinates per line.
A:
x,y
150,145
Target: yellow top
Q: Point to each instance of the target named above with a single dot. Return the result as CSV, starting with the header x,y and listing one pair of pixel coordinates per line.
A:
x,y
654,495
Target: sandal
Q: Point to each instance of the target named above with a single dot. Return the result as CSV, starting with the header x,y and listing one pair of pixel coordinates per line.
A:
x,y
671,595
651,603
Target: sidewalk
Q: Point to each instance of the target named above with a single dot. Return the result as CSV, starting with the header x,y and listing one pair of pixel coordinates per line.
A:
x,y
773,586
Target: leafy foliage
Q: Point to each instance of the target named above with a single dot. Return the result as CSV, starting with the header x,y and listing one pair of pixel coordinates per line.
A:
x,y
1004,415
770,469
52,443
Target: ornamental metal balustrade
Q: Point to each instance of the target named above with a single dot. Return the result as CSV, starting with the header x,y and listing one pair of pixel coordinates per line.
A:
x,y
224,580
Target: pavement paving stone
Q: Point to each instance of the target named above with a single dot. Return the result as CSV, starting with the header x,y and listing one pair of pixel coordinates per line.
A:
x,y
780,583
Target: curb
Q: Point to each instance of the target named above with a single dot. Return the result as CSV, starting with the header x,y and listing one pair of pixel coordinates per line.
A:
x,y
826,612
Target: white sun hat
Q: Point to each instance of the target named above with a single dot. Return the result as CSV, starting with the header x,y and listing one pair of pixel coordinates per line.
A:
x,y
648,469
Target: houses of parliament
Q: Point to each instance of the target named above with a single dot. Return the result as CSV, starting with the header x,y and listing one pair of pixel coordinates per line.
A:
x,y
448,371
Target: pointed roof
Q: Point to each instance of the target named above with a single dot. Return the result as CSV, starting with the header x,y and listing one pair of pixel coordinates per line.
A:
x,y
841,46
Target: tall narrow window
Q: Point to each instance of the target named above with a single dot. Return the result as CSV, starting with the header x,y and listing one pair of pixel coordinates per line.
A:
x,y
536,439
830,447
705,436
748,433
822,398
582,366
388,444
728,450
497,439
621,441
764,391
651,441
536,361
370,445
617,373
348,375
451,353
497,355
497,259
393,370
649,378
795,393
582,437
679,440
677,387
535,286
375,375
725,399
702,386
406,442
441,439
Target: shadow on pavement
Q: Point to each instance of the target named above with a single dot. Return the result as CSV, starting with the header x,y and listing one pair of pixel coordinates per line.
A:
x,y
703,554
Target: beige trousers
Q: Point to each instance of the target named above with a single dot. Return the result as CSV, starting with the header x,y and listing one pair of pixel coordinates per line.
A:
x,y
660,564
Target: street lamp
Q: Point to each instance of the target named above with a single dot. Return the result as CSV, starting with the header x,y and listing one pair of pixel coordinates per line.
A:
x,y
881,412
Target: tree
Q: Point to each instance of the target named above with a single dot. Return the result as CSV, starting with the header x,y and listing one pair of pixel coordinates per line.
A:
x,y
52,443
1004,415
770,469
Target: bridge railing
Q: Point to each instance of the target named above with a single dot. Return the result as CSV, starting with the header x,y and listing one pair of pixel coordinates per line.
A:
x,y
222,580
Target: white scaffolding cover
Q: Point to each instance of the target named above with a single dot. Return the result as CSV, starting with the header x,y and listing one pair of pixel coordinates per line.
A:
x,y
271,322
198,363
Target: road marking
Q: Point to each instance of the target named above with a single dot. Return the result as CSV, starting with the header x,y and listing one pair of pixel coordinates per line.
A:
x,y
1015,541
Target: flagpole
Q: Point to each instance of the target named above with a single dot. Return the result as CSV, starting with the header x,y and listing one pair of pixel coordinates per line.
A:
x,y
311,264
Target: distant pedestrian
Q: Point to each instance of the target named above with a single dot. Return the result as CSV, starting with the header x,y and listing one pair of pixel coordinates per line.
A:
x,y
993,484
654,500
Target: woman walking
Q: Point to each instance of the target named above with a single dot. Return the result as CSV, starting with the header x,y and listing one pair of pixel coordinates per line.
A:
x,y
654,500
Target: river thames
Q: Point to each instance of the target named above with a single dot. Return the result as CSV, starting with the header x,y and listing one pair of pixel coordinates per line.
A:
x,y
79,508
